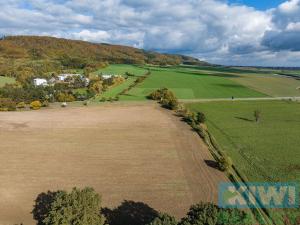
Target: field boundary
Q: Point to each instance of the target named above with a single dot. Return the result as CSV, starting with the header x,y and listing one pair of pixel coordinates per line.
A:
x,y
291,98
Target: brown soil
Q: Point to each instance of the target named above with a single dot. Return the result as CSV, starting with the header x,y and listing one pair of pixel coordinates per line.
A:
x,y
134,152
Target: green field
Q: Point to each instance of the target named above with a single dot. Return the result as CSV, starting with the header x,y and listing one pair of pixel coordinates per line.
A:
x,y
272,85
264,151
121,69
188,84
114,91
6,80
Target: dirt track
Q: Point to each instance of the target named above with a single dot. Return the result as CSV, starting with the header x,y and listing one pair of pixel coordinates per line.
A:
x,y
133,152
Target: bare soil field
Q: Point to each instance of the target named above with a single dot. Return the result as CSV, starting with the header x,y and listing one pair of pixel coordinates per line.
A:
x,y
136,152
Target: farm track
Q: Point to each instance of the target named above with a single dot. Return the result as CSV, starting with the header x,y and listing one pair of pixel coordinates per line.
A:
x,y
135,151
238,99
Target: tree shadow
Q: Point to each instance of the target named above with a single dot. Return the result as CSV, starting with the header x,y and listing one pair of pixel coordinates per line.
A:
x,y
130,213
245,119
212,164
42,206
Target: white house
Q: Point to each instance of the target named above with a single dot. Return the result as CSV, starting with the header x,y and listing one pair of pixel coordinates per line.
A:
x,y
40,82
106,76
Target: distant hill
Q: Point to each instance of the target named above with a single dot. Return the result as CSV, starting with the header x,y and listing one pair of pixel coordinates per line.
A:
x,y
50,48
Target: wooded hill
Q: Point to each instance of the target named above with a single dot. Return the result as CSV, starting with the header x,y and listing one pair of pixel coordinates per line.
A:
x,y
48,48
23,57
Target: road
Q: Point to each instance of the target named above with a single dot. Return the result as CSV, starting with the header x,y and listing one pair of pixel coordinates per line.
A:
x,y
238,99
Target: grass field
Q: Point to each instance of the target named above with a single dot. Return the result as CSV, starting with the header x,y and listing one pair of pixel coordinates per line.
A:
x,y
265,151
121,69
138,152
190,85
113,91
6,80
275,86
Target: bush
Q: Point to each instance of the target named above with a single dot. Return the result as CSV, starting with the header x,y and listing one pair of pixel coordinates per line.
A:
x,y
158,94
110,99
21,105
234,217
166,98
201,117
103,99
257,115
210,214
45,103
65,97
35,105
7,104
225,163
85,103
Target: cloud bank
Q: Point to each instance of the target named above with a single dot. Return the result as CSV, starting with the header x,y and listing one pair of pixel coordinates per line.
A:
x,y
213,30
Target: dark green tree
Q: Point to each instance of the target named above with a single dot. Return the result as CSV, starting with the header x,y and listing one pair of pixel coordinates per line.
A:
x,y
201,214
80,207
164,219
201,117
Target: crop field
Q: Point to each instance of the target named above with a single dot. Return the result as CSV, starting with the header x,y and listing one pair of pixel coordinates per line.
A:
x,y
125,151
121,69
6,80
191,85
264,151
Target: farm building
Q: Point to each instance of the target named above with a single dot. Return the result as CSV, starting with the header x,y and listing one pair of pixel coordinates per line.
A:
x,y
62,77
40,82
106,76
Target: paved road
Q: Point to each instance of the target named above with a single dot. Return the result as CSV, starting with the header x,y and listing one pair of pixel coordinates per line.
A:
x,y
239,99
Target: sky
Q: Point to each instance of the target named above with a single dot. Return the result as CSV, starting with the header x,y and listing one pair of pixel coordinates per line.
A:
x,y
228,32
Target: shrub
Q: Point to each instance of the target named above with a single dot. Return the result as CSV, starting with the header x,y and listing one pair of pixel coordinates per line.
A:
x,y
65,97
201,117
103,99
210,214
225,163
7,104
45,103
86,103
166,97
257,115
21,105
234,217
35,105
110,99
158,94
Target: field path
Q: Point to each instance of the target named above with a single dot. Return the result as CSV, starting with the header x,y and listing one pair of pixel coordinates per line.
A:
x,y
294,98
136,151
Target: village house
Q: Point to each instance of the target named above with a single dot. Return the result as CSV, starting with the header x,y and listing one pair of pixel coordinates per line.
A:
x,y
40,82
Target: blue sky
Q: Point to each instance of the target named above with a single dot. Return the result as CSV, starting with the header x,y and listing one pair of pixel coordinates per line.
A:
x,y
230,32
258,4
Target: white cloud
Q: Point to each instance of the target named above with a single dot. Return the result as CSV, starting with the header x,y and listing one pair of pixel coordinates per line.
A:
x,y
210,29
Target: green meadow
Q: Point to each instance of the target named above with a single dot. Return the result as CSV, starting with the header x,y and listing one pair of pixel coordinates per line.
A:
x,y
114,91
191,85
6,80
264,151
121,69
